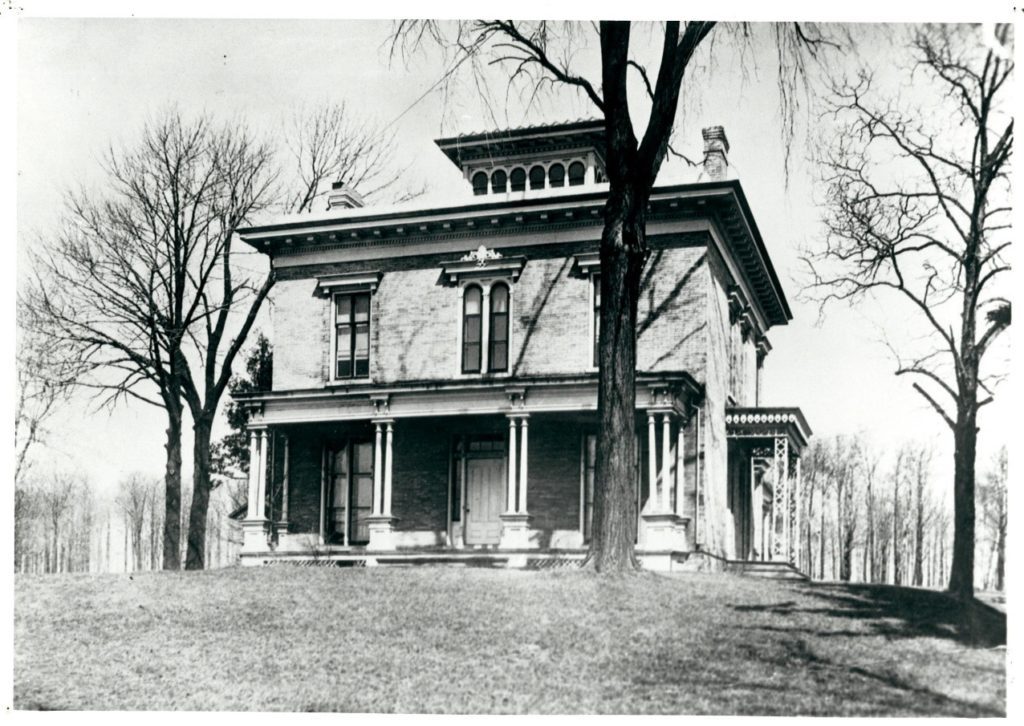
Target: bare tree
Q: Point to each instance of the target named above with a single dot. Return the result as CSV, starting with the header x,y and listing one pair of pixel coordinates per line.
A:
x,y
921,475
918,207
135,500
993,505
539,55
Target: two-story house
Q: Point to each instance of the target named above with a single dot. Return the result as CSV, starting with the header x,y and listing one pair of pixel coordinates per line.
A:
x,y
435,382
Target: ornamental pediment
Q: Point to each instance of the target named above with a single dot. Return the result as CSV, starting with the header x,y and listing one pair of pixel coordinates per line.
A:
x,y
483,262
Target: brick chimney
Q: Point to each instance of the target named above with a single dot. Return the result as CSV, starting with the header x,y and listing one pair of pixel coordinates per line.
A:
x,y
343,197
716,153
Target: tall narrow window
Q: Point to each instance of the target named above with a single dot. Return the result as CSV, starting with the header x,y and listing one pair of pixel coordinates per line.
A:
x,y
498,181
537,175
556,175
351,495
352,335
472,332
589,468
517,180
597,316
577,173
480,183
497,352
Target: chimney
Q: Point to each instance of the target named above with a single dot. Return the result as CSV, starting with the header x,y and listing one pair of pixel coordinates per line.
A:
x,y
716,153
343,196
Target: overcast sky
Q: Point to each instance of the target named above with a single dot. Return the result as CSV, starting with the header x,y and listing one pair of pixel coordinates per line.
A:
x,y
85,83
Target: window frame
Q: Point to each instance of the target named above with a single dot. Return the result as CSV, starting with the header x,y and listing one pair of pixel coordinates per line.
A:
x,y
486,284
346,447
334,377
481,343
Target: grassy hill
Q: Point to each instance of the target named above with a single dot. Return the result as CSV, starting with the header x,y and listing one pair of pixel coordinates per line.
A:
x,y
477,640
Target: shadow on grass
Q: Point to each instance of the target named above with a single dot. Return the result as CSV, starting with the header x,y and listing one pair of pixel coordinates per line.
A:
x,y
898,612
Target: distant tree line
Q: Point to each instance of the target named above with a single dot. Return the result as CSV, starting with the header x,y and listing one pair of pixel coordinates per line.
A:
x,y
867,517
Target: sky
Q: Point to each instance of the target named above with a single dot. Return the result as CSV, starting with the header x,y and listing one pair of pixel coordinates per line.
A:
x,y
85,83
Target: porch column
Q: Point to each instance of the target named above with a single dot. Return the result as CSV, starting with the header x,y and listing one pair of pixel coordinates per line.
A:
x,y
525,423
780,500
261,493
377,464
652,462
757,511
511,498
666,462
796,559
254,468
387,471
680,473
284,485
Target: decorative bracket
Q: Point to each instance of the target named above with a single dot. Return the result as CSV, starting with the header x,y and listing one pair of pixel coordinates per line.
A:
x,y
516,397
380,403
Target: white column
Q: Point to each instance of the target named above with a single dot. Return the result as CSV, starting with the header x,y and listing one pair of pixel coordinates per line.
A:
x,y
680,473
652,462
254,469
387,471
522,465
666,462
377,480
511,466
284,483
261,493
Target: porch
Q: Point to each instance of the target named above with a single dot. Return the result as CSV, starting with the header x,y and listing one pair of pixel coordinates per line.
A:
x,y
510,488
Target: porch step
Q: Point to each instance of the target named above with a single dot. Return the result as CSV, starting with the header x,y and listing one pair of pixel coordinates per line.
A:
x,y
770,570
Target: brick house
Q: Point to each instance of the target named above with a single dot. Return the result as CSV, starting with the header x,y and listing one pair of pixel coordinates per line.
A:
x,y
435,390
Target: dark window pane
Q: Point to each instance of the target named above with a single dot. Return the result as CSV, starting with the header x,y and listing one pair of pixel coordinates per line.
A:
x,y
362,308
499,299
517,180
471,358
499,328
556,175
472,300
344,306
480,183
472,334
498,181
576,173
362,367
344,369
499,357
537,175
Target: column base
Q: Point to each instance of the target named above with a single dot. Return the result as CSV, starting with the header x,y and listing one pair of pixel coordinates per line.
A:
x,y
515,532
664,531
382,529
255,533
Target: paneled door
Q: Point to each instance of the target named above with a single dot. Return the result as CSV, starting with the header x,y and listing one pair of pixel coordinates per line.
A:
x,y
485,489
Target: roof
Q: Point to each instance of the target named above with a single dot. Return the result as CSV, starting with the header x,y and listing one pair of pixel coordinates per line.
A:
x,y
524,140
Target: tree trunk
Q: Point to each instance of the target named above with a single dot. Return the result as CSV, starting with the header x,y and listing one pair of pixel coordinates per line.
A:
x,y
1001,553
919,530
622,260
821,537
196,557
172,491
961,574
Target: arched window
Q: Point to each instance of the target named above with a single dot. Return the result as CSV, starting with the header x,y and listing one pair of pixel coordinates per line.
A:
x,y
480,183
498,181
576,173
537,175
517,180
556,175
497,348
472,333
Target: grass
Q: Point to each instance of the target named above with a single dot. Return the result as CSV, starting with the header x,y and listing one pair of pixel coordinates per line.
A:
x,y
478,640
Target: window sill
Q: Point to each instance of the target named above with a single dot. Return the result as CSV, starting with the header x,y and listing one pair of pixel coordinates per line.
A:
x,y
339,382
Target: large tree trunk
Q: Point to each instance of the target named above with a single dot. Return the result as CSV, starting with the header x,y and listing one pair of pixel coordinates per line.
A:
x,y
622,260
172,492
961,573
196,557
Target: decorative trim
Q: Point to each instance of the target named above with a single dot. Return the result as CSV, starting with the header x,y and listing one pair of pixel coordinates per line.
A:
x,y
483,262
588,262
348,282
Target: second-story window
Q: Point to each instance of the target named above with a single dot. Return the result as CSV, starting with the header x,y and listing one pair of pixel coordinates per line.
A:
x,y
352,335
472,329
577,174
497,352
480,183
517,180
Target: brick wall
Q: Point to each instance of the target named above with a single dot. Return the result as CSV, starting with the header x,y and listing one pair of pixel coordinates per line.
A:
x,y
416,317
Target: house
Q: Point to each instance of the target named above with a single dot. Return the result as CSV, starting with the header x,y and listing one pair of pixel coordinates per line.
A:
x,y
435,389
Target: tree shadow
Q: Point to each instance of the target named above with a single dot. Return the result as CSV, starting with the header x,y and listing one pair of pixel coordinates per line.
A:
x,y
531,318
897,612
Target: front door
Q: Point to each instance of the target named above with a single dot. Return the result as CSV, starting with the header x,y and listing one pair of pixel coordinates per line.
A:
x,y
484,494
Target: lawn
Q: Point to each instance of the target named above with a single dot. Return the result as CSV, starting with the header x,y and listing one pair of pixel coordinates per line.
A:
x,y
483,640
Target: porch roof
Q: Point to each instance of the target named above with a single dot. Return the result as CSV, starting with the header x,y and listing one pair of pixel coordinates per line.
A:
x,y
768,422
